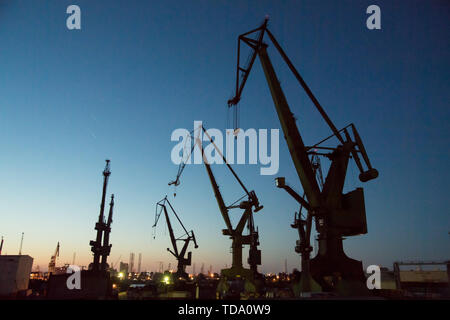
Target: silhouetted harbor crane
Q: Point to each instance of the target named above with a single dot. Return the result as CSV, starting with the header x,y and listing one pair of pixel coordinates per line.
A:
x,y
187,237
52,263
336,215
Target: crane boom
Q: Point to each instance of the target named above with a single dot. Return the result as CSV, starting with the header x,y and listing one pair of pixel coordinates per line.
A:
x,y
237,271
100,226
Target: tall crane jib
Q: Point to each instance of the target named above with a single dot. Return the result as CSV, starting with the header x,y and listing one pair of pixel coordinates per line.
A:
x,y
100,247
1,246
186,238
250,278
106,247
336,215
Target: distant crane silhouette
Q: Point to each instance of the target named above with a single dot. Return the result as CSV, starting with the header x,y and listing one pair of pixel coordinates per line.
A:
x,y
21,243
1,246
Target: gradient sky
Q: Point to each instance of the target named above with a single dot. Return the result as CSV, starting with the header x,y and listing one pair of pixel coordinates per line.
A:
x,y
140,69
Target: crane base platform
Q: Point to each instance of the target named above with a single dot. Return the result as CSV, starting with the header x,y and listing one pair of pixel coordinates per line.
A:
x,y
236,282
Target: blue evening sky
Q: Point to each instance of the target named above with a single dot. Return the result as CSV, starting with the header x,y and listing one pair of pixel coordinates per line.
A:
x,y
137,70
